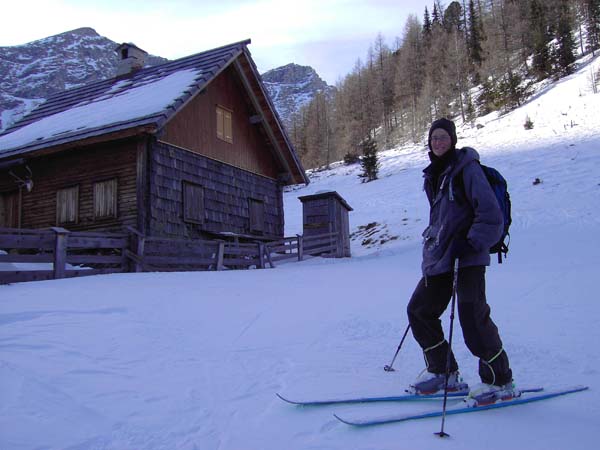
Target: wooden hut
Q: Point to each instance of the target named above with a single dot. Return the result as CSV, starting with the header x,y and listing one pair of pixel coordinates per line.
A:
x,y
327,212
192,148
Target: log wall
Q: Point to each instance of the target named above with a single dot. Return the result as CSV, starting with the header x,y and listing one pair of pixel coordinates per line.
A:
x,y
82,167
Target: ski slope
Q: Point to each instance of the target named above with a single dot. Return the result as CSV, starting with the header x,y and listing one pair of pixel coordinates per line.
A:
x,y
192,361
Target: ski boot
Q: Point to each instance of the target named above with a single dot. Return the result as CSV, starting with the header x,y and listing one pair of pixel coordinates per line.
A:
x,y
486,394
428,383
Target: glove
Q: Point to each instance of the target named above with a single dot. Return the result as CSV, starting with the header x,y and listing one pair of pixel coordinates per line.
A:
x,y
459,247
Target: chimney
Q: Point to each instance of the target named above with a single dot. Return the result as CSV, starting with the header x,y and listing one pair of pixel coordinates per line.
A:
x,y
131,59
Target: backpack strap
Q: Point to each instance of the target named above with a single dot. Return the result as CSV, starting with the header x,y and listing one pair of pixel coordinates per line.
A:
x,y
503,249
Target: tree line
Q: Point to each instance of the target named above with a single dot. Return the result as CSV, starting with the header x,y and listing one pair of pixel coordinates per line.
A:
x,y
460,61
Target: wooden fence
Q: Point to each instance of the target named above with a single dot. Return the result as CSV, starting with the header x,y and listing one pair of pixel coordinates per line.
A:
x,y
299,246
164,255
73,254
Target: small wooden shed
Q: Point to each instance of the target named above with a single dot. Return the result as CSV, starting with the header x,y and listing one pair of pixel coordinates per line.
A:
x,y
327,212
192,148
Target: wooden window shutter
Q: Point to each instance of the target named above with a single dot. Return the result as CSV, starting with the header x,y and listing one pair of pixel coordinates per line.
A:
x,y
220,123
67,205
105,199
193,203
257,216
9,209
228,125
224,124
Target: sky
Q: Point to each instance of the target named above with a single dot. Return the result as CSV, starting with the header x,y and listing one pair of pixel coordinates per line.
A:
x,y
329,35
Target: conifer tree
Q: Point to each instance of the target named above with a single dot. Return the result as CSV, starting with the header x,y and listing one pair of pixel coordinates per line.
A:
x,y
474,36
369,160
511,91
488,97
542,64
593,24
453,17
426,27
564,56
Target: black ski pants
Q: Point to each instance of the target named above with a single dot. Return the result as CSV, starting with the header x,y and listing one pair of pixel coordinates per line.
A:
x,y
430,299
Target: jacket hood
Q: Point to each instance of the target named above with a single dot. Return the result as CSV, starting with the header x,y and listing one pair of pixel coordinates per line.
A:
x,y
462,157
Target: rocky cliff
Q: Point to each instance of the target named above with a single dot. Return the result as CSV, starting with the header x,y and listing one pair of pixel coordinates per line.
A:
x,y
292,86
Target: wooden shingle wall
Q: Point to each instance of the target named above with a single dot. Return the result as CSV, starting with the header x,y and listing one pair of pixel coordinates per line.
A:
x,y
317,217
227,192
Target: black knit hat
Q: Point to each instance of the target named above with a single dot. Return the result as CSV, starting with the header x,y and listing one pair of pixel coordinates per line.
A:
x,y
446,125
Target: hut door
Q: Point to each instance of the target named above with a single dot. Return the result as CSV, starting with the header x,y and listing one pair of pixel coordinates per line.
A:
x,y
9,209
257,216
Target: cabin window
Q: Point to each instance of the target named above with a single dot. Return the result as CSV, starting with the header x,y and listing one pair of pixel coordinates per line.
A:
x,y
67,205
257,216
224,124
9,209
193,203
105,199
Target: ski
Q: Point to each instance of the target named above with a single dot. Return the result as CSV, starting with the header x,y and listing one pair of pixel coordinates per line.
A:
x,y
375,399
534,397
390,398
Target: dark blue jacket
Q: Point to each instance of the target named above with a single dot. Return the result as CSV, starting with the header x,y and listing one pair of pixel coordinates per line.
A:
x,y
463,206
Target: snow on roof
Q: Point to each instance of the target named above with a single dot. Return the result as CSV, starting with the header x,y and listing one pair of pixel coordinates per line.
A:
x,y
121,103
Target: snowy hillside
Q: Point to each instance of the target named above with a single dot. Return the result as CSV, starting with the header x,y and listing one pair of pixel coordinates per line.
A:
x,y
192,361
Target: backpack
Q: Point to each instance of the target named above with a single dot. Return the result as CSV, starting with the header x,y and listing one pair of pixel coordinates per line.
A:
x,y
500,188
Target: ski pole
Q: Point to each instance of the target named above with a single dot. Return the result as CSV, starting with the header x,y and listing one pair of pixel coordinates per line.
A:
x,y
390,368
441,433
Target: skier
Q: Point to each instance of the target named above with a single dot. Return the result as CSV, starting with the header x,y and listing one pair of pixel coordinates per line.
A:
x,y
464,222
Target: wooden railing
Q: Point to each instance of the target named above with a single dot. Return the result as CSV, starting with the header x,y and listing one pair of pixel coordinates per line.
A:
x,y
71,254
181,255
299,246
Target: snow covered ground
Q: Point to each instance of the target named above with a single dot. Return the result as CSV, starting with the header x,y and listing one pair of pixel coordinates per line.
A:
x,y
193,360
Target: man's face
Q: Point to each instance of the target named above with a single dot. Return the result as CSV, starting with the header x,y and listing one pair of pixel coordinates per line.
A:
x,y
440,142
